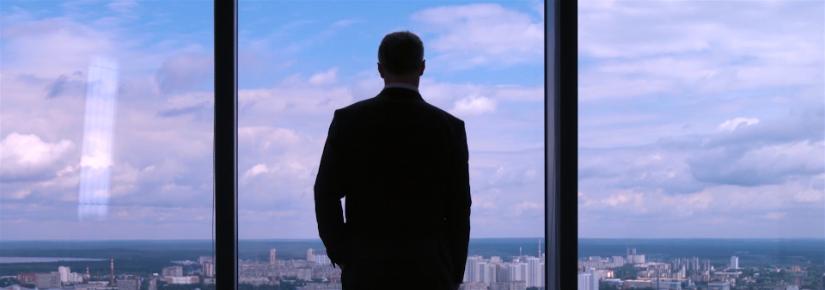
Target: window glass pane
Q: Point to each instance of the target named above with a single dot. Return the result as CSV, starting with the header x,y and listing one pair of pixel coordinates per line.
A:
x,y
701,148
106,144
301,60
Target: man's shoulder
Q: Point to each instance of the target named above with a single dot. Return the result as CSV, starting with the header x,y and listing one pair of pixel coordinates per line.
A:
x,y
374,103
446,116
452,120
358,106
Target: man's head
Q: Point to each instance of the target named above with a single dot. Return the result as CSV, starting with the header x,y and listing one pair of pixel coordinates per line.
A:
x,y
401,57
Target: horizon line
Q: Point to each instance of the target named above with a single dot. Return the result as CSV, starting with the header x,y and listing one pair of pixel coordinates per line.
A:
x,y
477,238
204,239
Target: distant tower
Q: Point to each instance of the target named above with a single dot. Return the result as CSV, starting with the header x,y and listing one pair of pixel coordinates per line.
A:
x,y
273,260
111,271
734,262
64,272
539,249
88,274
310,255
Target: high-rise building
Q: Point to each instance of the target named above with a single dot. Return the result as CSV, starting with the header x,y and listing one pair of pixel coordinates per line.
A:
x,y
481,272
523,272
584,281
503,272
634,258
594,279
64,272
511,272
322,259
734,262
129,283
172,271
204,259
273,258
470,267
208,269
534,273
111,271
310,255
47,280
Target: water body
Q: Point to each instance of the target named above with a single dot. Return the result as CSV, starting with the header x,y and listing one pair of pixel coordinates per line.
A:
x,y
751,252
19,260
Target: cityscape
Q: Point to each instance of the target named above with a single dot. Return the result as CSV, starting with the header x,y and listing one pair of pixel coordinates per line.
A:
x,y
260,270
635,270
492,264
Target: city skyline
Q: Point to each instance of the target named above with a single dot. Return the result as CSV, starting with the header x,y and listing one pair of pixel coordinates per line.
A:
x,y
635,271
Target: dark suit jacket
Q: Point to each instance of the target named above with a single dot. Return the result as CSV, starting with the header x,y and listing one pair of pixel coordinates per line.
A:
x,y
401,165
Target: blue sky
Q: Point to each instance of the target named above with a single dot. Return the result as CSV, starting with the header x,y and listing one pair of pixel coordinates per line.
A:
x,y
697,119
298,62
702,119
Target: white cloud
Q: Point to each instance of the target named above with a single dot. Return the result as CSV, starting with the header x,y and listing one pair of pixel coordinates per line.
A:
x,y
256,170
473,105
733,124
52,46
482,34
163,138
268,136
325,77
25,154
295,95
676,48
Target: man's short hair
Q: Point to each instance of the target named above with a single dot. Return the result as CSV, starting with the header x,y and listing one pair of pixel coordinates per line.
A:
x,y
401,53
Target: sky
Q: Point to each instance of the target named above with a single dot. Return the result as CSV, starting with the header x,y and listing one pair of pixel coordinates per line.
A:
x,y
702,119
697,118
298,62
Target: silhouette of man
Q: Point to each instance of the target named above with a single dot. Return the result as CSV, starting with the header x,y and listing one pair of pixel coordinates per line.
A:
x,y
401,164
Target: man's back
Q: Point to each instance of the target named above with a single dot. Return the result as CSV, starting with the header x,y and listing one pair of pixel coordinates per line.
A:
x,y
402,166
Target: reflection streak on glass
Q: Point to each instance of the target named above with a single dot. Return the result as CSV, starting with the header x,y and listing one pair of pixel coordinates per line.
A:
x,y
96,159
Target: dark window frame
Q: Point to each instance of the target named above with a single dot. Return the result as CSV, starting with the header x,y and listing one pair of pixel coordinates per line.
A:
x,y
226,144
560,130
563,192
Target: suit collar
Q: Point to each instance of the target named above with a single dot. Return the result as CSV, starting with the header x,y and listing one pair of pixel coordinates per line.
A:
x,y
401,85
400,94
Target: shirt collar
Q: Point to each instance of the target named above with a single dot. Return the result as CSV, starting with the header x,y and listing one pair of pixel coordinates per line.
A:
x,y
401,85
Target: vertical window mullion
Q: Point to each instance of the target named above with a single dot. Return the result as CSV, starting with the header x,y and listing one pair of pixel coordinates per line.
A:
x,y
565,183
226,153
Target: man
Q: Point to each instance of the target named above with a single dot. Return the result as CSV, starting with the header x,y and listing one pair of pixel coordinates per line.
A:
x,y
401,164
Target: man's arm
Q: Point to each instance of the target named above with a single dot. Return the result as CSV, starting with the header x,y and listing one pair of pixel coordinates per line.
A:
x,y
459,213
328,194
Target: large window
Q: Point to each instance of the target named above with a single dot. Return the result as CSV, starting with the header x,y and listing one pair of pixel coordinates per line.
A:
x,y
106,144
485,64
701,148
119,141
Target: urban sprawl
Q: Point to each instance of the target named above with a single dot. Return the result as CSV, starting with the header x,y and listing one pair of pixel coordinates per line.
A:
x,y
635,271
315,272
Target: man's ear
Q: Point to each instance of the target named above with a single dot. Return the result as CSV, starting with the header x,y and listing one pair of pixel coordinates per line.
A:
x,y
423,66
380,70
